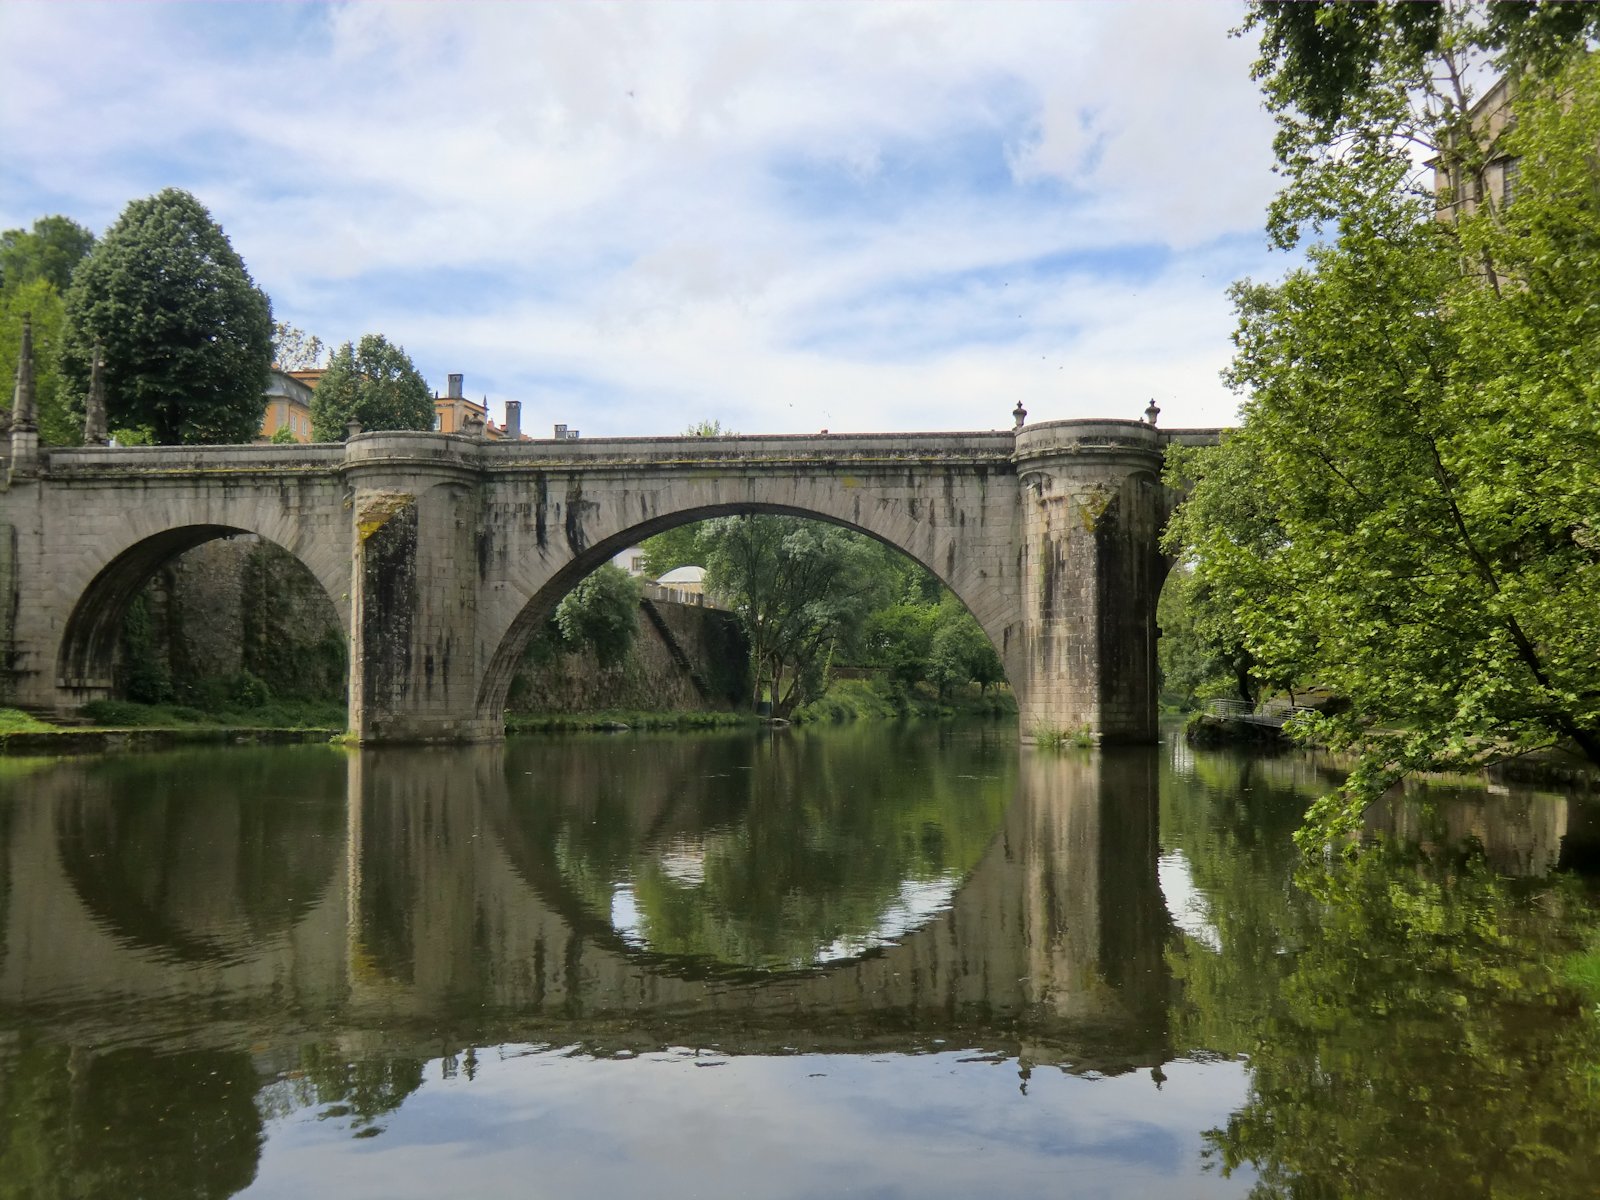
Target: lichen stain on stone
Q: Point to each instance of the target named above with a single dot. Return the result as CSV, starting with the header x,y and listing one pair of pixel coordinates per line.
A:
x,y
376,511
1091,507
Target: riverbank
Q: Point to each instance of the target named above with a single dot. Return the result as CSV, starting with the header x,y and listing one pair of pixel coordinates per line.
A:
x,y
114,726
1553,767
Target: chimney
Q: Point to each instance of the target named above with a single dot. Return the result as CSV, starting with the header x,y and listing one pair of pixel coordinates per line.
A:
x,y
513,420
455,387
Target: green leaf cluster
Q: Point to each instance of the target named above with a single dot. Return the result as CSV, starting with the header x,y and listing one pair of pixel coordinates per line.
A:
x,y
602,612
50,251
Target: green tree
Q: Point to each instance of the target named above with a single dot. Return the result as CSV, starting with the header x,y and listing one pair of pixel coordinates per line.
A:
x,y
39,299
1421,451
186,334
603,612
961,652
376,383
50,251
801,589
899,639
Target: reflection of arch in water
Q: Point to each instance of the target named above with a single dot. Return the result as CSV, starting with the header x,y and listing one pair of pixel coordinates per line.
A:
x,y
784,893
1062,920
210,856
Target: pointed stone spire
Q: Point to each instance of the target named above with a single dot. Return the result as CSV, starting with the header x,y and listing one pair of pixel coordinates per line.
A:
x,y
24,408
94,414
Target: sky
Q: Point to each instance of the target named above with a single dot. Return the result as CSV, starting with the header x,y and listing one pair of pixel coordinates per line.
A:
x,y
635,217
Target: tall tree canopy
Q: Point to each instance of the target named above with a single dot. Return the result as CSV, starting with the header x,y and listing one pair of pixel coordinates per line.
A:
x,y
376,383
800,589
51,251
1409,512
185,332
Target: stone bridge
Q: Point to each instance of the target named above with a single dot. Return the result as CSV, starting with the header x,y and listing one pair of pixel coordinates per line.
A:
x,y
443,554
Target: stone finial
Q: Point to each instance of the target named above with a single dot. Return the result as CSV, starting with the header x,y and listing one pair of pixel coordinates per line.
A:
x,y
94,413
1151,413
352,427
1019,414
24,406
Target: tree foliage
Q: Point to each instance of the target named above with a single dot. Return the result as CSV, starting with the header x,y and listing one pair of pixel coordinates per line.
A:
x,y
602,612
1376,91
293,349
186,334
374,382
1410,509
50,251
39,299
1201,652
802,589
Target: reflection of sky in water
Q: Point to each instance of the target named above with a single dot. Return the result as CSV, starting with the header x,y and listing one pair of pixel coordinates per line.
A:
x,y
625,918
553,1123
1184,901
918,901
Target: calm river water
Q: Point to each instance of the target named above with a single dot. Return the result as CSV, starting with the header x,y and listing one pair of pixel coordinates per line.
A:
x,y
868,962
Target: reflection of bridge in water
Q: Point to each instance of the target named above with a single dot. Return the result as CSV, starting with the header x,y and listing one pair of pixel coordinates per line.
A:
x,y
427,917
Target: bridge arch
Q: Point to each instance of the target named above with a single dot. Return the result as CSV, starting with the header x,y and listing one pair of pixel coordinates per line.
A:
x,y
123,560
986,603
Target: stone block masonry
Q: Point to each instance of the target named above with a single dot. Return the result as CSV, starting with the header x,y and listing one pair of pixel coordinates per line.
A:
x,y
442,555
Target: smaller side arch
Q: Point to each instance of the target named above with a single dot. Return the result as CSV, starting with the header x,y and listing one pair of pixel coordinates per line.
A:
x,y
87,649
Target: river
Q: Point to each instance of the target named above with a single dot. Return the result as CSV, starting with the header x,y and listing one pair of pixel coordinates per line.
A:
x,y
870,961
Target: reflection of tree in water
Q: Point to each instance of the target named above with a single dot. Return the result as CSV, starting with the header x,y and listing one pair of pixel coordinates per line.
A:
x,y
204,856
127,1123
344,1087
1406,1024
781,853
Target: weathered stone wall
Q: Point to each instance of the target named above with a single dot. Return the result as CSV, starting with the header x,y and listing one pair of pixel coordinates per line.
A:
x,y
8,607
236,605
652,678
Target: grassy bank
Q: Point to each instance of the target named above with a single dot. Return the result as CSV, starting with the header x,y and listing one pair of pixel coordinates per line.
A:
x,y
120,725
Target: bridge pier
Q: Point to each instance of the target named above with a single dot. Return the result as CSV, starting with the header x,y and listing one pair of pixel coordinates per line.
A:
x,y
413,645
1092,507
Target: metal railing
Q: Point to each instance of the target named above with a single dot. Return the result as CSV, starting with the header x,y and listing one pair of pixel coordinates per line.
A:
x,y
1275,713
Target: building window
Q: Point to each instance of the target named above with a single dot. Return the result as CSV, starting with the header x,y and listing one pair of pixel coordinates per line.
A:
x,y
1510,173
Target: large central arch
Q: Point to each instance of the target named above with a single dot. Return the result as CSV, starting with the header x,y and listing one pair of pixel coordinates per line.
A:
x,y
506,658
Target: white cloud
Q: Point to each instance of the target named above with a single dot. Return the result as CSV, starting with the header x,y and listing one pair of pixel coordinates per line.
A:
x,y
681,210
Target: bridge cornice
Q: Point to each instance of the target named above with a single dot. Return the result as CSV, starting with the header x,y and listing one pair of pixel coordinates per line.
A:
x,y
96,463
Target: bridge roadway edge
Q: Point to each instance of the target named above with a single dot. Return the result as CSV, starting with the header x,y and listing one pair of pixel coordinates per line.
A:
x,y
442,554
